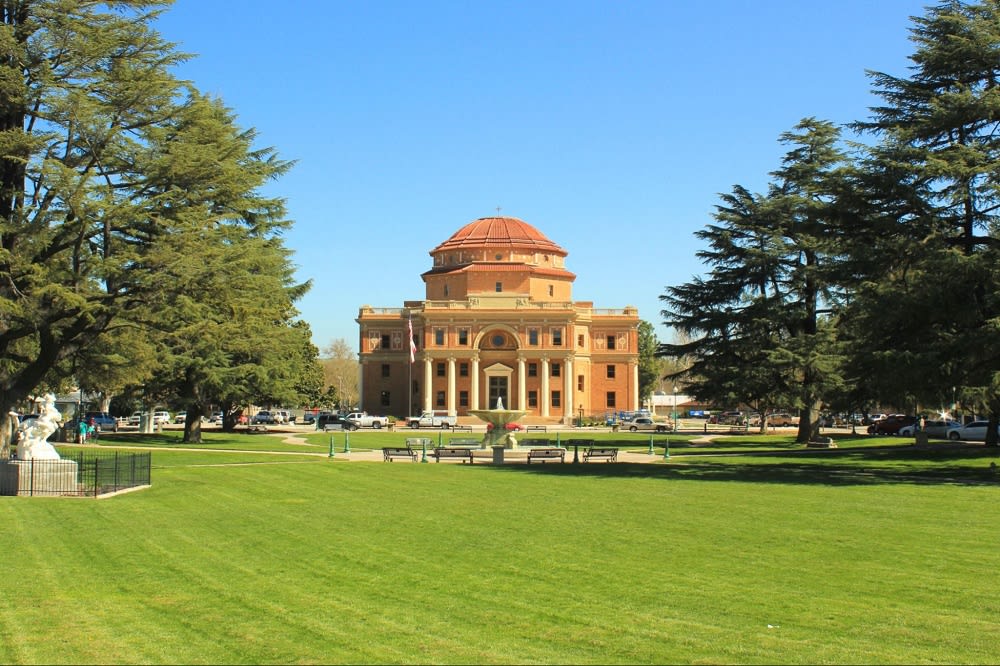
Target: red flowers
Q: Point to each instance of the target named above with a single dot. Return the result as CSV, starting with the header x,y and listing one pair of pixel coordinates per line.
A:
x,y
510,426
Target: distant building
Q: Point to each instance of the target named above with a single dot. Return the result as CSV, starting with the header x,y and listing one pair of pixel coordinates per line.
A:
x,y
499,321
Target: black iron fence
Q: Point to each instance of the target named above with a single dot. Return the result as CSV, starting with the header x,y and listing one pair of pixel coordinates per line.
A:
x,y
79,473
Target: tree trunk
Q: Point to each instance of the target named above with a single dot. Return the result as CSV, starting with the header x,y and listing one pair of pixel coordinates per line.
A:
x,y
192,423
992,439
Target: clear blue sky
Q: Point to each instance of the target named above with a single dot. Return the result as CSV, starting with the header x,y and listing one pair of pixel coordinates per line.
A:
x,y
610,126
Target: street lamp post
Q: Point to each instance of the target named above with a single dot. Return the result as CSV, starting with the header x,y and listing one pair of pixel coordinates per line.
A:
x,y
673,409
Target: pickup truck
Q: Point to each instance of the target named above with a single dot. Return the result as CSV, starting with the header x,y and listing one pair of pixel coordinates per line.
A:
x,y
432,420
366,420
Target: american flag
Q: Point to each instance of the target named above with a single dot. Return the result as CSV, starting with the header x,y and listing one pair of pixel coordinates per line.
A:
x,y
413,346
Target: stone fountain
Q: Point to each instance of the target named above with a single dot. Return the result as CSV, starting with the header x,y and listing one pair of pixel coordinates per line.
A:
x,y
54,474
497,419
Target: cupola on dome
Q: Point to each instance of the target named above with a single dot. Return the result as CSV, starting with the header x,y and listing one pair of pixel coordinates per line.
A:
x,y
500,232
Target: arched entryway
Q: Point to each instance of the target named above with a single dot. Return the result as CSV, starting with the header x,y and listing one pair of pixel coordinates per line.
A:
x,y
499,347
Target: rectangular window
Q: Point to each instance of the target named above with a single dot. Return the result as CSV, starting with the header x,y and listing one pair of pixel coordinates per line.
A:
x,y
555,369
557,337
532,398
463,369
551,290
556,399
384,398
463,398
611,399
385,370
439,336
532,369
611,342
385,341
440,399
533,337
440,369
579,382
580,340
463,337
499,287
611,372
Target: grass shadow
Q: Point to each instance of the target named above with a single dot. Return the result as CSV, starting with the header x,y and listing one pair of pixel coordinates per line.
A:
x,y
948,465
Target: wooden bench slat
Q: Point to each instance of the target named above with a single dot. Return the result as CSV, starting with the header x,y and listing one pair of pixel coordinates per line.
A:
x,y
451,452
611,454
547,454
390,452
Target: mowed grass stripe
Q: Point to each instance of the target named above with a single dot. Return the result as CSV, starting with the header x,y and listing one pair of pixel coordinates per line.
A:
x,y
450,564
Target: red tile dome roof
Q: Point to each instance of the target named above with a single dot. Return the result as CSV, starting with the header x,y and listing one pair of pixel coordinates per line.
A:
x,y
500,232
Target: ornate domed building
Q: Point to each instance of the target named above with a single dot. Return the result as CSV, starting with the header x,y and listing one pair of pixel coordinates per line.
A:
x,y
499,321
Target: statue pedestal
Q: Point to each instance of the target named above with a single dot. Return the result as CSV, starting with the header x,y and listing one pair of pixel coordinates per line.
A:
x,y
498,454
40,477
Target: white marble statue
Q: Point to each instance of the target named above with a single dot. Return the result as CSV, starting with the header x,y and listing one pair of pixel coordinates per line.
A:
x,y
499,402
32,436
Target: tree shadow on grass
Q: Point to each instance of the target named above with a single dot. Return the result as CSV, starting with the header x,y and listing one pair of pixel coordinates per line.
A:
x,y
965,465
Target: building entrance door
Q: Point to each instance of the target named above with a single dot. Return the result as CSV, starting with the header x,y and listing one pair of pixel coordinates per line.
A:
x,y
498,389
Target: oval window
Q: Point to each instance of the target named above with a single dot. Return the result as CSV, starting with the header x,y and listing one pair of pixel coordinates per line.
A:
x,y
498,340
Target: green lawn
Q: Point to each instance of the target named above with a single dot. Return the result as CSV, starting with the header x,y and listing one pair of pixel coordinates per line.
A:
x,y
851,556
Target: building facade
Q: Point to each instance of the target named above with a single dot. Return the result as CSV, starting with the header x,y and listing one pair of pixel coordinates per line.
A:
x,y
499,321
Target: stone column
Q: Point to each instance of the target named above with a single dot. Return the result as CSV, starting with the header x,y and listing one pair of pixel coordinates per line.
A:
x,y
474,397
362,367
545,386
451,386
428,386
522,392
569,386
635,387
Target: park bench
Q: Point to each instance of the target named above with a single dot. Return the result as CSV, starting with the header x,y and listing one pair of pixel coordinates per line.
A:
x,y
608,453
543,455
453,452
536,428
461,428
465,441
256,428
738,430
390,452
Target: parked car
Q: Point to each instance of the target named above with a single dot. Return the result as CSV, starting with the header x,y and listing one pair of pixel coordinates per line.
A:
x,y
891,424
309,418
776,419
215,418
734,417
938,429
334,422
135,418
970,432
161,417
180,417
645,423
102,421
262,417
